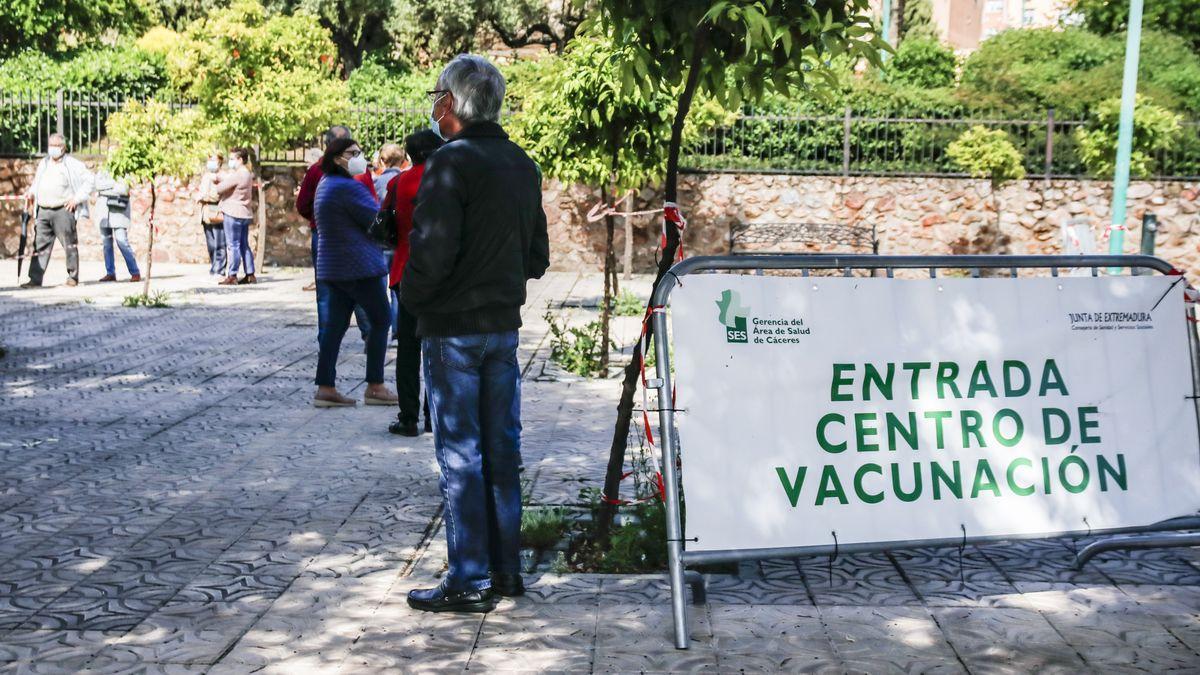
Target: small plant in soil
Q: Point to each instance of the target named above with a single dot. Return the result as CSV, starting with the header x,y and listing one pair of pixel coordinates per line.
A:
x,y
156,299
542,528
577,349
628,304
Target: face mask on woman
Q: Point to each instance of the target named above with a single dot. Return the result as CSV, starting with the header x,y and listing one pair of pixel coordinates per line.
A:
x,y
356,165
213,165
234,163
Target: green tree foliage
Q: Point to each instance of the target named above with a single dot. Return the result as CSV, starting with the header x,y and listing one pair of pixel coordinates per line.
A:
x,y
177,15
430,31
1154,128
916,21
704,47
987,153
582,126
1108,17
262,80
356,26
923,63
51,25
1073,70
152,141
122,70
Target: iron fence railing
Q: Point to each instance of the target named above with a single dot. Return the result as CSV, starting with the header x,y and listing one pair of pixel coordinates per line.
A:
x,y
895,144
848,144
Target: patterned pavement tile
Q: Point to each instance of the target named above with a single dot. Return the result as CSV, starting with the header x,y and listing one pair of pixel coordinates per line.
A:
x,y
186,633
147,525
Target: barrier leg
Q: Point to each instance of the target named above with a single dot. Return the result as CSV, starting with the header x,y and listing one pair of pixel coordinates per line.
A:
x,y
699,586
1176,540
666,432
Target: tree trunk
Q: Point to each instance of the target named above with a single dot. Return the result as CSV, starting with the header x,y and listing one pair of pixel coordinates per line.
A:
x,y
616,455
260,256
627,263
607,301
150,243
609,256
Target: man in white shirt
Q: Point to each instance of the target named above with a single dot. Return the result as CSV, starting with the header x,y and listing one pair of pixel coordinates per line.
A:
x,y
59,194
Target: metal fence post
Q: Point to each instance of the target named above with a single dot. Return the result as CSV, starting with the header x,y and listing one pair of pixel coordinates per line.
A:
x,y
846,143
58,127
1049,143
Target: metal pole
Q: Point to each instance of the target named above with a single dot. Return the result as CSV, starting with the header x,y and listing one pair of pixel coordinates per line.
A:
x,y
887,27
846,143
1049,142
58,127
666,433
1133,45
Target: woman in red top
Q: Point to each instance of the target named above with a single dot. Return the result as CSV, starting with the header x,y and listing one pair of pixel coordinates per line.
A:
x,y
402,195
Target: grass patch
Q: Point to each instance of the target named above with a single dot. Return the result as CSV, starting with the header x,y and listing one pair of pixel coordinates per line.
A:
x,y
157,299
544,527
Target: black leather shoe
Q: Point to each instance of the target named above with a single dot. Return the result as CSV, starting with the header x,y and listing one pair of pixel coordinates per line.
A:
x,y
438,599
404,428
508,585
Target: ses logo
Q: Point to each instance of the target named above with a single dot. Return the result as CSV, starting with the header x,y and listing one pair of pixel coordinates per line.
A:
x,y
733,317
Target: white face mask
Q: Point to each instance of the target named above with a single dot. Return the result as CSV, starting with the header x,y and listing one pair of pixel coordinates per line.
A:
x,y
356,165
435,123
213,165
234,163
56,151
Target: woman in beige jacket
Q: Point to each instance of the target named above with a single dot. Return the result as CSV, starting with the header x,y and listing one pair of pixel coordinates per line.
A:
x,y
236,190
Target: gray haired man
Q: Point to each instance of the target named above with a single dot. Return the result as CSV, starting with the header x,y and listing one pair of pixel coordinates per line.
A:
x,y
59,193
479,234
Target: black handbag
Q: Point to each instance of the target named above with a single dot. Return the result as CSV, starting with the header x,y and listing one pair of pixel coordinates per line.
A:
x,y
383,229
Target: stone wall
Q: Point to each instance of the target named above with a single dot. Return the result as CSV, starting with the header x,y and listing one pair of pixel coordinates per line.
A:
x,y
910,215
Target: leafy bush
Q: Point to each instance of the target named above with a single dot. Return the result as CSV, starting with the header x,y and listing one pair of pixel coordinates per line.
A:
x,y
120,71
1154,128
987,153
924,63
577,349
1073,71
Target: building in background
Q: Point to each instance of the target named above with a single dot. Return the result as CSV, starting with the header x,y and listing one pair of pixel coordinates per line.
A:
x,y
963,24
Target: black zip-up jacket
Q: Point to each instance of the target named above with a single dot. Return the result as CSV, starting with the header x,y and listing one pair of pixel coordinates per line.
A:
x,y
479,233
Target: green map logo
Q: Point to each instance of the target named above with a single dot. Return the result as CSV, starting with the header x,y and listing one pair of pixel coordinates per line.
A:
x,y
733,316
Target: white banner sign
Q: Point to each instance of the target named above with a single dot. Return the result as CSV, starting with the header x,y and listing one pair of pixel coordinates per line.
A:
x,y
889,410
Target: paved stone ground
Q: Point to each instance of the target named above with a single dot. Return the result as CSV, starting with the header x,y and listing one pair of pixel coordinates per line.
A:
x,y
170,502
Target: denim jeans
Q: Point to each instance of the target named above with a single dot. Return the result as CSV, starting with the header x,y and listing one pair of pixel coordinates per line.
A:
x,y
214,239
335,304
360,316
237,236
121,235
474,387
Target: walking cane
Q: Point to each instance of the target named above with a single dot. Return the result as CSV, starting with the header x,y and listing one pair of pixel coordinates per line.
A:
x,y
23,241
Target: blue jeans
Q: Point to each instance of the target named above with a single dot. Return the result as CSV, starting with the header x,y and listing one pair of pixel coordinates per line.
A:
x,y
335,304
237,236
214,239
474,389
122,237
360,316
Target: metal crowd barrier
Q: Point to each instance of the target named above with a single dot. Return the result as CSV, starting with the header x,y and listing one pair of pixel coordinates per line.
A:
x,y
678,558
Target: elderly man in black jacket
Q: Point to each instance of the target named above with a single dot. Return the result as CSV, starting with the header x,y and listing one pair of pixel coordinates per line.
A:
x,y
479,234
